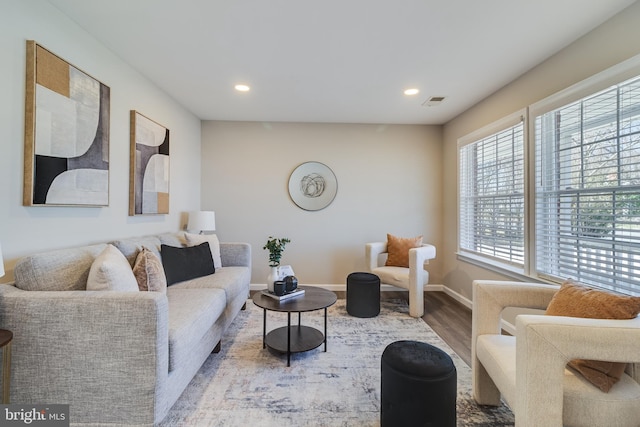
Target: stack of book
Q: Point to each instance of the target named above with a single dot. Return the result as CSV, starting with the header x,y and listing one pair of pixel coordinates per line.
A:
x,y
292,294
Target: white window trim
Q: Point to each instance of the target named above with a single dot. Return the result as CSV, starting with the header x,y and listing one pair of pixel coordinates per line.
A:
x,y
501,124
587,87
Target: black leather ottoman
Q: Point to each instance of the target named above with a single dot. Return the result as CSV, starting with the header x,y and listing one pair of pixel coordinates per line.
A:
x,y
363,294
418,386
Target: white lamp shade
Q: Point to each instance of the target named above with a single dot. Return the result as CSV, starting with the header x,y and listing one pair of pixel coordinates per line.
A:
x,y
202,221
1,263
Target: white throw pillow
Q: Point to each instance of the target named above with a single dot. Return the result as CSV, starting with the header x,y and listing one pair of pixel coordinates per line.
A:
x,y
214,245
111,271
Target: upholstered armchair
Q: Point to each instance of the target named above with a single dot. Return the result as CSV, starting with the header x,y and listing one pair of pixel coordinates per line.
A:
x,y
412,278
529,369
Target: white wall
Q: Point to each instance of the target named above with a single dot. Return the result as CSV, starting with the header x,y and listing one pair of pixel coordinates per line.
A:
x,y
613,42
389,181
26,230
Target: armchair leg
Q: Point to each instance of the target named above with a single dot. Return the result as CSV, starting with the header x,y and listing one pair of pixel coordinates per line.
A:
x,y
416,303
484,389
217,348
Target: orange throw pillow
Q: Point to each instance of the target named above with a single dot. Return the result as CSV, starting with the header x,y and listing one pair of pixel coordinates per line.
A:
x,y
398,250
574,300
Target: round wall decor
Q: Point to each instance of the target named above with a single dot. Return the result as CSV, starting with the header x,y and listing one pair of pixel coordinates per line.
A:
x,y
312,186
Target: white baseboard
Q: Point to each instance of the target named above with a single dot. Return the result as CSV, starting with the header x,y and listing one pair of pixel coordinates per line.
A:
x,y
385,288
453,294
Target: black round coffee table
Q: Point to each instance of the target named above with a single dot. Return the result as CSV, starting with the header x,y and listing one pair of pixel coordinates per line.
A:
x,y
297,338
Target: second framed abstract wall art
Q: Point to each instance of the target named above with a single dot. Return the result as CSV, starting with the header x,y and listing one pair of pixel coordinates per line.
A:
x,y
149,170
66,138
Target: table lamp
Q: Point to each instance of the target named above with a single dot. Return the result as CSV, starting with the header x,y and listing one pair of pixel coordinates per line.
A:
x,y
202,221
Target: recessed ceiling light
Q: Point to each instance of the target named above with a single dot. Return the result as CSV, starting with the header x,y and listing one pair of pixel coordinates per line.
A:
x,y
242,88
412,91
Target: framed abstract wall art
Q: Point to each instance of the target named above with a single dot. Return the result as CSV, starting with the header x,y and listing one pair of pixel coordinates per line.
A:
x,y
66,144
149,170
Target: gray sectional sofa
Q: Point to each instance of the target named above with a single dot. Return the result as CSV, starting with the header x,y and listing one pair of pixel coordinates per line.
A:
x,y
117,358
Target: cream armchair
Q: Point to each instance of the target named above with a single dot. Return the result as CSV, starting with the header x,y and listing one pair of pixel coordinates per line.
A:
x,y
413,278
529,370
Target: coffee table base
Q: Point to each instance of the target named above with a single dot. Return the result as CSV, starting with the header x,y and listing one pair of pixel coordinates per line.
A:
x,y
303,338
295,338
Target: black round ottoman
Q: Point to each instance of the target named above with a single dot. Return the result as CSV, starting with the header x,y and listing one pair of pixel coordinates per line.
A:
x,y
363,294
418,386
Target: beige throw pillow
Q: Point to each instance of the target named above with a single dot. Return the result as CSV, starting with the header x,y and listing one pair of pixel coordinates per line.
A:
x,y
149,272
214,245
111,271
574,300
398,250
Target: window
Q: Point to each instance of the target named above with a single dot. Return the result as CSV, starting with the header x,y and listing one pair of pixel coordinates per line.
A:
x,y
491,196
559,198
587,202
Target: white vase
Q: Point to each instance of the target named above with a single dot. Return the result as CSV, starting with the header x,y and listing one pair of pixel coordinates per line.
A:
x,y
272,277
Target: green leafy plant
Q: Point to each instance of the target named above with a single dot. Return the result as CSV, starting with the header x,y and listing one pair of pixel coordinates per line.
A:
x,y
275,247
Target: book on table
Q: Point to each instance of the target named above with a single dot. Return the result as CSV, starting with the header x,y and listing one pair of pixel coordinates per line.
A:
x,y
292,294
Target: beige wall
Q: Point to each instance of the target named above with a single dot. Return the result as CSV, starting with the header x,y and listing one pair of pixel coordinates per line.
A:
x,y
615,41
389,180
25,230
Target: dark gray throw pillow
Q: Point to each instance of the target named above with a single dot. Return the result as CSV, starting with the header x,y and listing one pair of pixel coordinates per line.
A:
x,y
187,263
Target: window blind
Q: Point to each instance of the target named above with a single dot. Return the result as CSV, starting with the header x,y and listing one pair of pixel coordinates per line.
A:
x,y
491,196
587,190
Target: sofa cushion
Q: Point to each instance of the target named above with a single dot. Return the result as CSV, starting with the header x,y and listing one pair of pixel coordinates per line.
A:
x,y
182,264
132,246
396,276
574,300
149,272
111,271
59,270
233,280
173,239
398,250
214,245
192,313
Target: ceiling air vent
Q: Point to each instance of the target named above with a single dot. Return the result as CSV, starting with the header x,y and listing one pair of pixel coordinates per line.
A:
x,y
433,101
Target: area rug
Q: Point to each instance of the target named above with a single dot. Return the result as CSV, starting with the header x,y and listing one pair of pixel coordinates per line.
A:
x,y
246,385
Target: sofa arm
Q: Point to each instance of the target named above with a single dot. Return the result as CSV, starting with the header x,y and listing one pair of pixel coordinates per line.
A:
x,y
70,346
235,254
417,273
416,255
490,297
579,338
421,255
544,346
371,253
